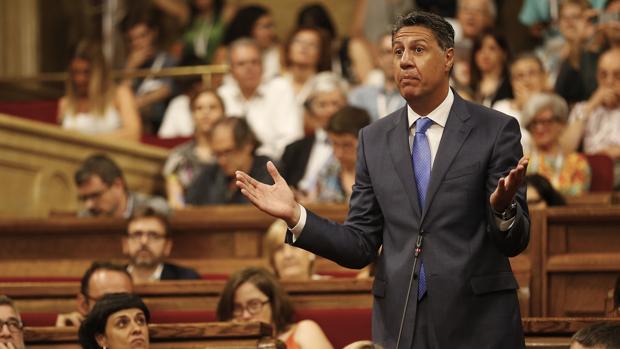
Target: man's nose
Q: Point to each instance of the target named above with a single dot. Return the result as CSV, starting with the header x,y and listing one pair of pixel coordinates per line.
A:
x,y
90,203
4,331
406,60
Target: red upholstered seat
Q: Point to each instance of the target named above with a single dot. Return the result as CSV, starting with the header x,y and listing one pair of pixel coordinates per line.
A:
x,y
602,167
44,111
342,326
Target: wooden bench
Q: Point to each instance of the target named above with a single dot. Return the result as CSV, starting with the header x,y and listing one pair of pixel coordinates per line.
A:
x,y
580,260
170,336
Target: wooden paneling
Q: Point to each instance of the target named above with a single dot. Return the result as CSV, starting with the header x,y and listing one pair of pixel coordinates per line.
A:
x,y
195,335
580,260
37,163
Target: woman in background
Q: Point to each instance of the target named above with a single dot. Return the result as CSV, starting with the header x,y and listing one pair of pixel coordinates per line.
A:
x,y
93,104
489,81
254,294
187,160
118,321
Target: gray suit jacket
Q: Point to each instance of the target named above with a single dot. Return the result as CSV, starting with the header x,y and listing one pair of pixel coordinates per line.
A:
x,y
471,287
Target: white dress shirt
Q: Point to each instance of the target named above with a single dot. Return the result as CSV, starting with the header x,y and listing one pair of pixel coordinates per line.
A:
x,y
271,112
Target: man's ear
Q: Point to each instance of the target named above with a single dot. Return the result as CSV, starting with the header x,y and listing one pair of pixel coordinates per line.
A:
x,y
82,304
449,59
101,340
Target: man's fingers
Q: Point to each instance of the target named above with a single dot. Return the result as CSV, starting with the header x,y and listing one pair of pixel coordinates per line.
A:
x,y
246,179
273,171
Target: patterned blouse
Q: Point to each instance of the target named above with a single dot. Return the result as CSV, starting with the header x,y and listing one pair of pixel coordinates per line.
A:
x,y
568,173
328,185
184,164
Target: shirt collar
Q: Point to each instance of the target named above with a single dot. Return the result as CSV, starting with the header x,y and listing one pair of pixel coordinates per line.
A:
x,y
156,276
130,204
321,135
259,93
439,115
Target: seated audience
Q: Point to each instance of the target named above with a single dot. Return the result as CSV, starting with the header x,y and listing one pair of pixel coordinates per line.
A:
x,y
545,116
99,279
152,93
598,336
147,244
596,122
286,261
187,160
380,101
541,194
254,294
303,159
489,80
306,53
178,121
234,146
11,325
92,103
335,180
205,30
578,79
350,56
118,321
473,17
257,23
527,77
268,107
102,190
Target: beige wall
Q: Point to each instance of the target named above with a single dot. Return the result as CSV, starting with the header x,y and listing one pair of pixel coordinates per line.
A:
x,y
19,37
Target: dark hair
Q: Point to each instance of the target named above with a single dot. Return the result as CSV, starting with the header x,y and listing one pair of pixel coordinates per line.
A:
x,y
442,30
476,74
5,300
150,212
243,23
348,120
282,312
95,322
193,98
96,266
546,191
316,16
218,7
325,58
150,18
241,130
602,334
98,165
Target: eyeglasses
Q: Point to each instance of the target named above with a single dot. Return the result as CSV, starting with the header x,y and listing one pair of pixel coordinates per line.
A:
x,y
253,306
543,122
14,325
150,236
92,196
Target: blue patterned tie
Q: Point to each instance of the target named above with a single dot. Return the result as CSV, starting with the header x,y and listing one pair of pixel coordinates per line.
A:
x,y
421,158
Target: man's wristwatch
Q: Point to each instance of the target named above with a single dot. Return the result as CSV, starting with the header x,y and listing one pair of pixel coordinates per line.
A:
x,y
508,213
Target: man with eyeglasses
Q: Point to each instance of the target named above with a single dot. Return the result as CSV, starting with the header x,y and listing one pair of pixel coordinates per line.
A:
x,y
100,279
148,244
102,190
11,326
234,146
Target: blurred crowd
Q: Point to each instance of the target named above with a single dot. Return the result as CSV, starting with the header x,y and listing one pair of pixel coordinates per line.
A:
x,y
301,100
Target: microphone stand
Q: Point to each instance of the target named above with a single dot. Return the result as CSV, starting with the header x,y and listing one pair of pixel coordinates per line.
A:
x,y
416,255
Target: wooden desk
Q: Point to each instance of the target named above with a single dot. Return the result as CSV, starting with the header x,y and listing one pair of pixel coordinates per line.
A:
x,y
172,336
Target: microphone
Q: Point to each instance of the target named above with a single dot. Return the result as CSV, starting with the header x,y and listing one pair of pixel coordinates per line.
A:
x,y
416,255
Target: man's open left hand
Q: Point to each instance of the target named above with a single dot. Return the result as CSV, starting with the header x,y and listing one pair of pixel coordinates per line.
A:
x,y
507,186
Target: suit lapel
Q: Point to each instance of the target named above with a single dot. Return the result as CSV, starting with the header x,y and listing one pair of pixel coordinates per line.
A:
x,y
398,143
454,134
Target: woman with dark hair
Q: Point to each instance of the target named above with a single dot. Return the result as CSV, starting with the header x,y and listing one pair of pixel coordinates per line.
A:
x,y
254,294
306,53
118,321
350,56
256,22
490,80
540,192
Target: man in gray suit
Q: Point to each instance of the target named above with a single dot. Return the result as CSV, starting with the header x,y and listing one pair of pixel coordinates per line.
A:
x,y
440,168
